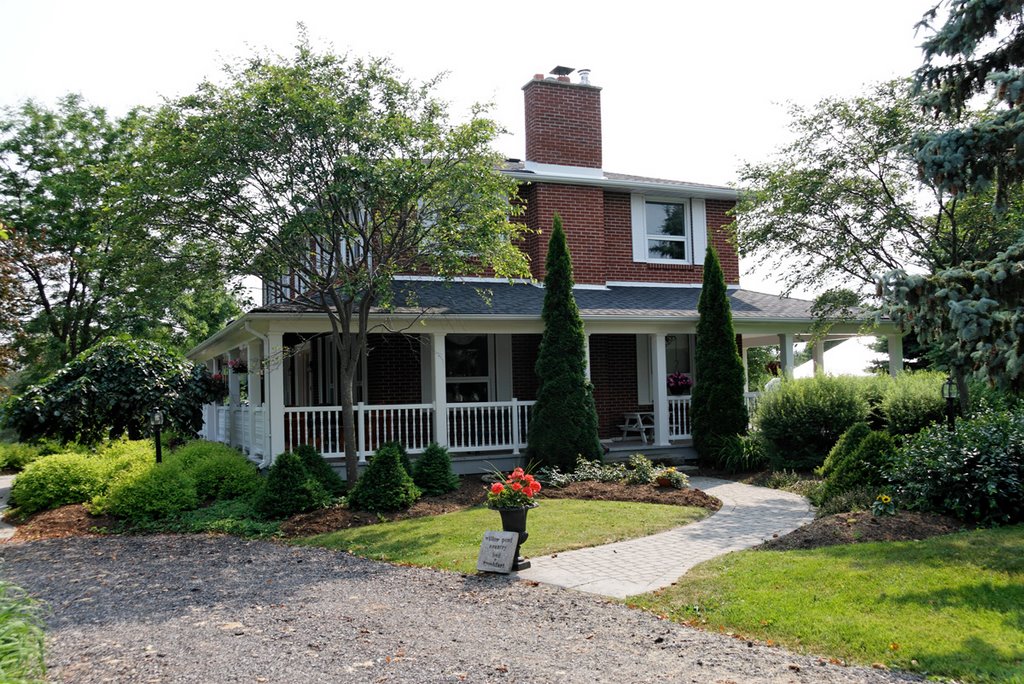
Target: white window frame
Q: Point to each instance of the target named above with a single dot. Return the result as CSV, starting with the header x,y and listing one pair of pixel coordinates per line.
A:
x,y
696,237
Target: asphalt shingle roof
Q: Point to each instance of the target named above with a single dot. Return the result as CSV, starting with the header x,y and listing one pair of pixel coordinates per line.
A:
x,y
525,301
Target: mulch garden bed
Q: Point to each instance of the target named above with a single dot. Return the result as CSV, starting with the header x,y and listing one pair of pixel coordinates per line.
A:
x,y
854,528
75,521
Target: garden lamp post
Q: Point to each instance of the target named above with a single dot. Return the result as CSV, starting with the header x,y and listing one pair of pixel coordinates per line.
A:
x,y
157,421
950,394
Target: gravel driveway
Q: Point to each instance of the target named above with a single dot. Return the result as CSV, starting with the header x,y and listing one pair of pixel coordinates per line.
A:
x,y
221,609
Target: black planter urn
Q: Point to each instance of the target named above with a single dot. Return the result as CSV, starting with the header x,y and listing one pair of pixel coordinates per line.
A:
x,y
514,520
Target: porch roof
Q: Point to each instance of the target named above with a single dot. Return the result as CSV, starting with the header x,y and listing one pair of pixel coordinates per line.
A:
x,y
523,300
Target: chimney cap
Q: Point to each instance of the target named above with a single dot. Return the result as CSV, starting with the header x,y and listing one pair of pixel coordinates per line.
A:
x,y
561,71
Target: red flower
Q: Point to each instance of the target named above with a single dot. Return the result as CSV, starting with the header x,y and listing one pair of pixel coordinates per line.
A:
x,y
497,488
516,474
516,487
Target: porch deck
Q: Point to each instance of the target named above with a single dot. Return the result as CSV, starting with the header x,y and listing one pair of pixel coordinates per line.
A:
x,y
480,435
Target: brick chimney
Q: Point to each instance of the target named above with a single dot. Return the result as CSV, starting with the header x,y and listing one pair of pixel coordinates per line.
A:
x,y
563,120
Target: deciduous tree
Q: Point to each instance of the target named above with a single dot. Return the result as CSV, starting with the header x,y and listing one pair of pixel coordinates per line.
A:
x,y
327,176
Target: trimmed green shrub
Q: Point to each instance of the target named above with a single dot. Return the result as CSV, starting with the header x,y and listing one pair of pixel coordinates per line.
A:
x,y
975,474
563,424
873,388
58,480
433,471
153,494
718,406
17,455
290,489
847,444
403,456
219,471
321,470
385,486
864,462
913,402
801,420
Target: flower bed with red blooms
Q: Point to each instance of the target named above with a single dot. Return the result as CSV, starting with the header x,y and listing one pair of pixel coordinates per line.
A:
x,y
515,491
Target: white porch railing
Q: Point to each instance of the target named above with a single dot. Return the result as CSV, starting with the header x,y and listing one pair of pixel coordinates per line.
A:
x,y
679,417
472,427
752,399
488,426
323,427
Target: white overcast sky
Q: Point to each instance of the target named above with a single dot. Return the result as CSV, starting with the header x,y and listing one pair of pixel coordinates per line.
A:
x,y
690,89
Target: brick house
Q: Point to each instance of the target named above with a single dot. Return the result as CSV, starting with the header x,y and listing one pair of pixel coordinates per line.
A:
x,y
466,378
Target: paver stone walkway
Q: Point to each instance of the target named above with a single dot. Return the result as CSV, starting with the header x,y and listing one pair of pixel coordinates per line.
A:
x,y
749,515
6,529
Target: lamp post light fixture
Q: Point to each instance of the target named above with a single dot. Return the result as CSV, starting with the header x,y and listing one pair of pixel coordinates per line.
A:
x,y
950,393
157,421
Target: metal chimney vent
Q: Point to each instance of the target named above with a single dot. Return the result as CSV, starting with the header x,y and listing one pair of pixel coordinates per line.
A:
x,y
561,71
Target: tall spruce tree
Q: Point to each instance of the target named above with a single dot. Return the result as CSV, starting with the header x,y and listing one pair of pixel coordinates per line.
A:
x,y
564,421
718,406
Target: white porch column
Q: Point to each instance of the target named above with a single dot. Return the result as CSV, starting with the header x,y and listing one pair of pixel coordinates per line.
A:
x,y
275,396
440,389
746,373
253,354
586,354
786,354
210,410
660,390
818,354
895,354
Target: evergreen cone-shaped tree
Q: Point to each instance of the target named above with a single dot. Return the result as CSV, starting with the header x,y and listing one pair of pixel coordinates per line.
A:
x,y
564,421
719,408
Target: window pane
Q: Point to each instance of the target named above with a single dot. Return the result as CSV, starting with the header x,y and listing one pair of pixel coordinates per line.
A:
x,y
666,249
466,356
467,391
666,219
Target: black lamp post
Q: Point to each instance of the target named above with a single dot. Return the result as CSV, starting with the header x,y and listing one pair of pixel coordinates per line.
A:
x,y
950,394
157,421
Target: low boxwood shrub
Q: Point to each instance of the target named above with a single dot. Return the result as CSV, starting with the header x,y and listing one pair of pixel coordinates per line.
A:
x,y
433,471
403,455
290,489
224,474
975,474
873,388
58,480
385,486
152,493
912,402
321,470
801,420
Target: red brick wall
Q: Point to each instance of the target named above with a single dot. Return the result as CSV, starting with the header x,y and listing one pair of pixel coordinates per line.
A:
x,y
582,212
524,360
393,367
719,237
563,123
613,373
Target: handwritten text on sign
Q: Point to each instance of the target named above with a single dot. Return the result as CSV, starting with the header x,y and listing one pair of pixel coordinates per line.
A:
x,y
497,552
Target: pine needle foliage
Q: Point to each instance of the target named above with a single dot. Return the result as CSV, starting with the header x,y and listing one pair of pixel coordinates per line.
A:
x,y
718,406
385,486
433,471
563,426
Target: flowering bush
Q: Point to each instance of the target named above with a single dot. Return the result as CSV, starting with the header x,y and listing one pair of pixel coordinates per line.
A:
x,y
238,366
672,478
515,491
679,381
883,505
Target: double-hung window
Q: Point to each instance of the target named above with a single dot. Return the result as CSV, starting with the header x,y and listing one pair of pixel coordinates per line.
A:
x,y
668,230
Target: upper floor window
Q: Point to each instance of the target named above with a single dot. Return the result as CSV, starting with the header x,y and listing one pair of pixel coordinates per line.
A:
x,y
668,230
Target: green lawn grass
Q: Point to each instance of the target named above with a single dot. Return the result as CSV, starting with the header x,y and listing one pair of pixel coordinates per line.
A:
x,y
452,541
950,606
